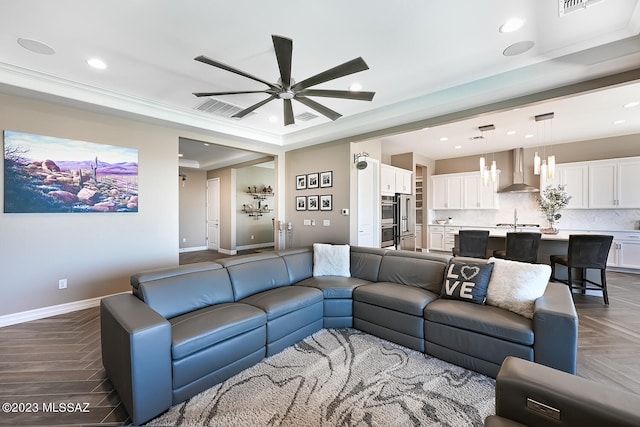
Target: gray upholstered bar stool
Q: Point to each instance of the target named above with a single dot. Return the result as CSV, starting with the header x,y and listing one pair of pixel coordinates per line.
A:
x,y
585,251
472,243
521,246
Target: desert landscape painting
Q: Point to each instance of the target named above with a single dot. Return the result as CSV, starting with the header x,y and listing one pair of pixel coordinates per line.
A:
x,y
45,174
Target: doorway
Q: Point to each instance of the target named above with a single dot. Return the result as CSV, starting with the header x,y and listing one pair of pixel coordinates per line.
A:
x,y
213,214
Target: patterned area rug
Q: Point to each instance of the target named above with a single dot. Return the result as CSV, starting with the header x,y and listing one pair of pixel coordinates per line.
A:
x,y
342,377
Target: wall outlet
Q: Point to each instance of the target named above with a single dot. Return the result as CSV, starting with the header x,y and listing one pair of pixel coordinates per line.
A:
x,y
252,237
62,284
306,222
326,222
184,240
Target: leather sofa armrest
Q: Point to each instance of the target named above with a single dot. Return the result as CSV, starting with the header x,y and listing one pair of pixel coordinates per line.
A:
x,y
555,325
136,354
524,390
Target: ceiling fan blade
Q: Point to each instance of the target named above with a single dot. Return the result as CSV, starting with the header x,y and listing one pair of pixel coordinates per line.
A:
x,y
201,94
222,66
349,67
284,49
241,114
346,94
327,112
288,112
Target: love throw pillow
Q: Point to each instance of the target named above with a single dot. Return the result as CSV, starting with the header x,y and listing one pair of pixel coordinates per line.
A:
x,y
466,281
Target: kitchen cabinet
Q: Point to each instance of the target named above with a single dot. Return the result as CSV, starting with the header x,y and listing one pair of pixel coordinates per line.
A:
x,y
614,183
447,191
442,237
395,180
463,191
436,237
575,178
477,195
625,251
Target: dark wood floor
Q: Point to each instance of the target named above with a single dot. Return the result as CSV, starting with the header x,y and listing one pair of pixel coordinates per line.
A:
x,y
57,360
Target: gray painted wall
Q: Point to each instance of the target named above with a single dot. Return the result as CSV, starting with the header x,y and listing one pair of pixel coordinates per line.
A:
x,y
95,252
192,211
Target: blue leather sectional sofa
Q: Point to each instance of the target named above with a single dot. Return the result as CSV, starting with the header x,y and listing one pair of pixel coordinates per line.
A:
x,y
187,328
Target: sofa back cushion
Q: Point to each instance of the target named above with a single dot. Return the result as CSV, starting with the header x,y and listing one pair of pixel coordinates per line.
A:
x,y
255,273
299,263
177,290
413,269
365,262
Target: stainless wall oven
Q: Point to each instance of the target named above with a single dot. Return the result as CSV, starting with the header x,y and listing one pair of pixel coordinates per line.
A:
x,y
388,236
389,206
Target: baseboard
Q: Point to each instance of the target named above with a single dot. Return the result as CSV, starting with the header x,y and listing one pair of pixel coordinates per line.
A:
x,y
256,246
227,251
54,310
194,249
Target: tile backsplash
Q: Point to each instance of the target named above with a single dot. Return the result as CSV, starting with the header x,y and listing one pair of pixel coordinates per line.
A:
x,y
525,203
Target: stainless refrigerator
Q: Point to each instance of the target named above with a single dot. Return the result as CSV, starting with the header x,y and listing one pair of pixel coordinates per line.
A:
x,y
406,239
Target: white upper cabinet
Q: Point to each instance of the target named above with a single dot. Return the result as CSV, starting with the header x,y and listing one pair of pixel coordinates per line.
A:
x,y
463,191
477,195
447,191
575,178
614,183
599,184
395,180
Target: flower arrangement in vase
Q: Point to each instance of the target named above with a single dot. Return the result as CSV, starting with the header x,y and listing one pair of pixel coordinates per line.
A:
x,y
550,201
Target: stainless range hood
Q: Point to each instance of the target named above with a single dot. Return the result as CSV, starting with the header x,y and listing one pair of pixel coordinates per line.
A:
x,y
518,185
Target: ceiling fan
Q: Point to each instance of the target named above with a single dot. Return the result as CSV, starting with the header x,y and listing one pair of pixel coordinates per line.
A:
x,y
286,89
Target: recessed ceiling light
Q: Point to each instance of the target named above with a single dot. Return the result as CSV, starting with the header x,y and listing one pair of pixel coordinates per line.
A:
x,y
518,48
273,119
97,63
512,25
511,132
632,104
36,46
618,122
444,138
457,147
529,135
355,87
206,144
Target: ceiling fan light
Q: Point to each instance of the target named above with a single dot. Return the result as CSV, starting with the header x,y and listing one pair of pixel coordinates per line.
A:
x,y
355,87
97,63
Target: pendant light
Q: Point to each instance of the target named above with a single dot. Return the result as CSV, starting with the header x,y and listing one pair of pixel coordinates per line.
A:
x,y
545,167
487,172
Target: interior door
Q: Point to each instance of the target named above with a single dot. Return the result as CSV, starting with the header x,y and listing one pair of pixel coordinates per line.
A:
x,y
213,213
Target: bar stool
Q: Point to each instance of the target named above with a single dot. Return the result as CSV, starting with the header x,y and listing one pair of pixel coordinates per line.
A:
x,y
585,251
521,246
472,243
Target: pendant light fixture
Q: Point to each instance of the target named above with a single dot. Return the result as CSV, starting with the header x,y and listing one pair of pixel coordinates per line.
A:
x,y
487,172
545,166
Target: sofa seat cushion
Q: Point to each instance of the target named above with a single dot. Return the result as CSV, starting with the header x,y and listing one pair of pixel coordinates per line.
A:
x,y
483,319
334,286
405,299
197,330
280,301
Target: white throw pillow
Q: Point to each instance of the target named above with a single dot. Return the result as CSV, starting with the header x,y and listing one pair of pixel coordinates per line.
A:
x,y
331,260
515,285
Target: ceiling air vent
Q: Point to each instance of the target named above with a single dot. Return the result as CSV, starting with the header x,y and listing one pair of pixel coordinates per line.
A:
x,y
305,117
219,108
566,7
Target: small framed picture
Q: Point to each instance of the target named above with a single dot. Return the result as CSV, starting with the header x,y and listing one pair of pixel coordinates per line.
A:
x,y
326,202
301,182
312,180
312,203
326,179
301,203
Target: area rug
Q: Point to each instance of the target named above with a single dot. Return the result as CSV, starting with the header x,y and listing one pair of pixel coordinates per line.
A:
x,y
342,377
